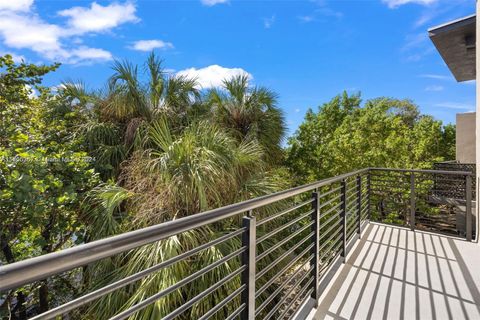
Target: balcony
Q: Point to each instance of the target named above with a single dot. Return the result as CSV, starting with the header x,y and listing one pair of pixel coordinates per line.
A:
x,y
395,273
371,244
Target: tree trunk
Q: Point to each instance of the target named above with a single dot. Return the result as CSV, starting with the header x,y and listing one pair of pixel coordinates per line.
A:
x,y
22,311
19,312
7,251
47,248
43,296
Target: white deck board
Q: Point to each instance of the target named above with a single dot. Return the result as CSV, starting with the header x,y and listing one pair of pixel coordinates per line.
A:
x,y
394,273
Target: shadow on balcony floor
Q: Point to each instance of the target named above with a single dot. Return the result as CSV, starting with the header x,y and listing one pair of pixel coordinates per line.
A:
x,y
394,273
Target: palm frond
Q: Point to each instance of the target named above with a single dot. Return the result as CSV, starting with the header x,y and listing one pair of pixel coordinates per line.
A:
x,y
237,87
76,92
103,210
156,79
251,113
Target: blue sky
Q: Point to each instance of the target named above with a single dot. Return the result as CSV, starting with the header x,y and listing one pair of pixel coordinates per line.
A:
x,y
306,51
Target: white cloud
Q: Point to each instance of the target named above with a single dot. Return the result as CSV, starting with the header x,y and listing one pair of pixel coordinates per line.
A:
x,y
414,57
434,88
427,16
30,32
297,110
148,45
212,76
397,3
435,76
321,12
455,105
210,3
306,19
15,5
99,18
268,22
86,53
469,82
329,12
22,28
416,47
413,41
424,19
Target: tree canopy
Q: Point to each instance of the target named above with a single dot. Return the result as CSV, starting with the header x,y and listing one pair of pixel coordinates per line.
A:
x,y
251,113
344,135
183,152
79,165
45,172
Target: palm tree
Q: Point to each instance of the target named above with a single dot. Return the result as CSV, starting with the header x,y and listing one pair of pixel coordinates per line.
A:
x,y
180,174
251,112
166,163
128,98
121,112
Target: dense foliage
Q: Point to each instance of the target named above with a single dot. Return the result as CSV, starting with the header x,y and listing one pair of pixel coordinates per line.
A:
x,y
181,156
158,150
343,136
44,175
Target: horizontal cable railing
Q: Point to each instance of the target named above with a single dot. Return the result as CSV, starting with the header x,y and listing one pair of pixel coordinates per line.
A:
x,y
270,262
430,200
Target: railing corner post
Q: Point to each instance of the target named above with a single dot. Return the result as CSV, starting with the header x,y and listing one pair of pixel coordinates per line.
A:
x,y
412,201
344,218
359,204
468,207
316,240
369,195
248,260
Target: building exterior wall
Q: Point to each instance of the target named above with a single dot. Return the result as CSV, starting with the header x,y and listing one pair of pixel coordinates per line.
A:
x,y
465,137
477,129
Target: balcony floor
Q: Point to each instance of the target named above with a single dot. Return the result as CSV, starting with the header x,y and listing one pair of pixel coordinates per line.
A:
x,y
394,273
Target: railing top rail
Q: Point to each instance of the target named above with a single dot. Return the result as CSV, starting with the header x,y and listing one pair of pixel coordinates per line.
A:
x,y
27,271
38,268
447,162
457,173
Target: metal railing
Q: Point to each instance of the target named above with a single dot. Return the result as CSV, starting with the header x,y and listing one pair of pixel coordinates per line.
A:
x,y
279,260
445,187
416,199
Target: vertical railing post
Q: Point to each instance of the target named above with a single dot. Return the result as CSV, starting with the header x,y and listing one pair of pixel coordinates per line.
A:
x,y
343,212
412,201
248,260
369,195
468,207
316,255
359,204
